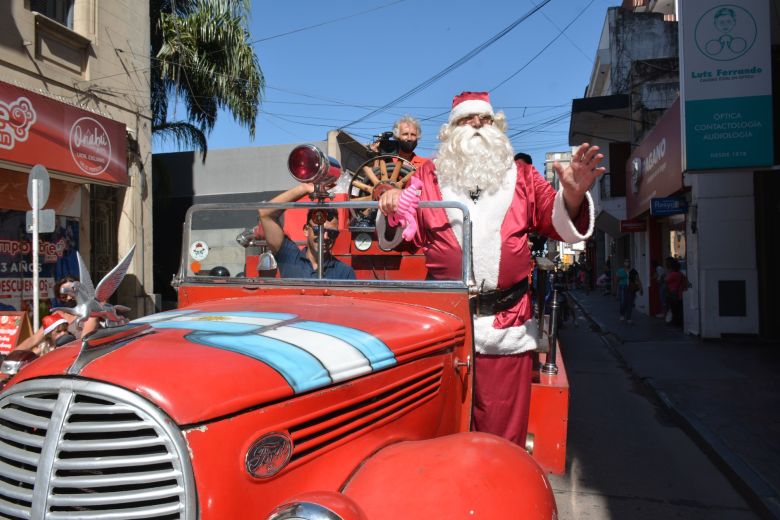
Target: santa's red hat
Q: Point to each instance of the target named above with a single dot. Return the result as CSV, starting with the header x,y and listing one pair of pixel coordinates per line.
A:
x,y
468,103
52,321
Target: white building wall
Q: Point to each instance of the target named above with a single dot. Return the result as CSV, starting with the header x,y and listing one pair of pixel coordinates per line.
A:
x,y
723,247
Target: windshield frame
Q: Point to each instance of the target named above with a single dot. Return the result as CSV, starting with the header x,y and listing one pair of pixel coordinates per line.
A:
x,y
183,278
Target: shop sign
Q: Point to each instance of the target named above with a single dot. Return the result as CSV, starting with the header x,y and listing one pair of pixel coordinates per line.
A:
x,y
36,129
633,226
14,327
46,219
664,206
656,164
726,84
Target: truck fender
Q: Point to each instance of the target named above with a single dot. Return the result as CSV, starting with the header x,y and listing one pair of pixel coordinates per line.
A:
x,y
464,475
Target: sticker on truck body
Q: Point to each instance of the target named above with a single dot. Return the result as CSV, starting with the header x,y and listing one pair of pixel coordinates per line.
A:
x,y
308,354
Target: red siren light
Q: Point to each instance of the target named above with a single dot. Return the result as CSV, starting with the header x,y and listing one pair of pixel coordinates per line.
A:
x,y
308,164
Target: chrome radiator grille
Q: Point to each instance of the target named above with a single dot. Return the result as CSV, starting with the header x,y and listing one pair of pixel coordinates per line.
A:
x,y
80,449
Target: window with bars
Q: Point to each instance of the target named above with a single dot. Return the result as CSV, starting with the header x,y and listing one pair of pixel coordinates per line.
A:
x,y
60,11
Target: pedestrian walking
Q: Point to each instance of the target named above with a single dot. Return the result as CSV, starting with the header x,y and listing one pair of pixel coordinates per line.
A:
x,y
629,285
676,283
659,273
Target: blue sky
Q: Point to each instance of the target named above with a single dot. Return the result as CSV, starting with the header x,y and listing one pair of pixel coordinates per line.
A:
x,y
329,64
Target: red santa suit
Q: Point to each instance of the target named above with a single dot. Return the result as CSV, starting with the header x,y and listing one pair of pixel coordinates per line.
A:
x,y
501,222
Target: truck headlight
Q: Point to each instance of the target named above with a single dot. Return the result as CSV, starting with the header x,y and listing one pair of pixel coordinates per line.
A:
x,y
303,511
319,505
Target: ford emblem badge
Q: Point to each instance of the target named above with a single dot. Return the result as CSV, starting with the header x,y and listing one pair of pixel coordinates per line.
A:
x,y
268,455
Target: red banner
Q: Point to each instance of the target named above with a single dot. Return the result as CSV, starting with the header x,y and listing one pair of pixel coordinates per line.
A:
x,y
633,226
37,130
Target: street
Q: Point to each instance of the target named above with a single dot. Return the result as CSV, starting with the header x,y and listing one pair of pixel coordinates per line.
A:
x,y
626,458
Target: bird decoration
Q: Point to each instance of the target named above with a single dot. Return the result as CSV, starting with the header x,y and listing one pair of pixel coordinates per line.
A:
x,y
91,302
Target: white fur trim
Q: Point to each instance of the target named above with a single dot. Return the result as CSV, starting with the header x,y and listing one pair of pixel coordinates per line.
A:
x,y
471,106
54,325
512,340
563,223
487,216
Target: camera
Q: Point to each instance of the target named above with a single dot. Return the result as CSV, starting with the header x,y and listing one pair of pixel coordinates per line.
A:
x,y
388,145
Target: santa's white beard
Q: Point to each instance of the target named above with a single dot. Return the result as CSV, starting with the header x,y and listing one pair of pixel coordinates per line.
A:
x,y
471,158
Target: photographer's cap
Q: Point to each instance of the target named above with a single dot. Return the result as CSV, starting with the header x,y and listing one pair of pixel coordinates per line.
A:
x,y
468,103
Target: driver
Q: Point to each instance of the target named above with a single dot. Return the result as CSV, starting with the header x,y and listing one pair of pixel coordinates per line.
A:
x,y
407,131
302,263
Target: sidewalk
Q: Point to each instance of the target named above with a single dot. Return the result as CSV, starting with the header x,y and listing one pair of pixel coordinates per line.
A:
x,y
726,393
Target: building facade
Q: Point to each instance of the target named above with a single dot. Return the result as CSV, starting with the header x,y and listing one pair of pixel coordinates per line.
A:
x,y
74,97
716,222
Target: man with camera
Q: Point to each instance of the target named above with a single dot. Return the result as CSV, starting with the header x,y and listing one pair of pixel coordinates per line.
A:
x,y
401,141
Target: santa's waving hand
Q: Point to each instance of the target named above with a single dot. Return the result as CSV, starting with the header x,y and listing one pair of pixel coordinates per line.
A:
x,y
578,177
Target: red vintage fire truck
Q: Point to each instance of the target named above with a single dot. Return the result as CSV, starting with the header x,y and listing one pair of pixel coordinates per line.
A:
x,y
272,398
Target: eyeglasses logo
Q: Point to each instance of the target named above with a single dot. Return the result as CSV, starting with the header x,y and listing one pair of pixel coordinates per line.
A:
x,y
725,32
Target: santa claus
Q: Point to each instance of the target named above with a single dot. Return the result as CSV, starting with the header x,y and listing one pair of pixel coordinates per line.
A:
x,y
507,200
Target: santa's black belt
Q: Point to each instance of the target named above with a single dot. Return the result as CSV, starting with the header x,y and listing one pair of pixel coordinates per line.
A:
x,y
487,303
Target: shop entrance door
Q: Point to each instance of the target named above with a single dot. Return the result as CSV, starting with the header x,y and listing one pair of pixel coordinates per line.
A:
x,y
103,230
766,186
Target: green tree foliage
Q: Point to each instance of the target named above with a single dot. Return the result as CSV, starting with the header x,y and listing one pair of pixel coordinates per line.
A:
x,y
202,56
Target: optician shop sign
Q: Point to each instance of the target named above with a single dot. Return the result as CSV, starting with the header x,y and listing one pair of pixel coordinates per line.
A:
x,y
664,206
35,129
726,84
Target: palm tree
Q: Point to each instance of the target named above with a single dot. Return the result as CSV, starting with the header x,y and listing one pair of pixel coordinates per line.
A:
x,y
202,56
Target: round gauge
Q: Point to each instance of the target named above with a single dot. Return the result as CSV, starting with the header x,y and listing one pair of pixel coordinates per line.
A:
x,y
363,241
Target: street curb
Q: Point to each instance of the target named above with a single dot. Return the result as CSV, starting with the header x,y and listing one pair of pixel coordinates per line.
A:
x,y
750,484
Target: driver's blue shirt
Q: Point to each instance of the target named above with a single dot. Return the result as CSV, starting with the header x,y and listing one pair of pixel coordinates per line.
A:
x,y
293,263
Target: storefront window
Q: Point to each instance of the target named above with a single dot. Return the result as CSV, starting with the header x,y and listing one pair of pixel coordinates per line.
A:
x,y
57,258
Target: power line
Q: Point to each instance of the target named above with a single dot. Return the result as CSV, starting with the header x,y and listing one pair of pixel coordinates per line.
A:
x,y
287,33
565,36
550,121
515,73
425,84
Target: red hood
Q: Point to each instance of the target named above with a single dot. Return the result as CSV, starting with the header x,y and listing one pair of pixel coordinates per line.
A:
x,y
217,358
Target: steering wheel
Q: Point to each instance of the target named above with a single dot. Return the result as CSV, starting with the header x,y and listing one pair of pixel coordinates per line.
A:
x,y
379,174
373,178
